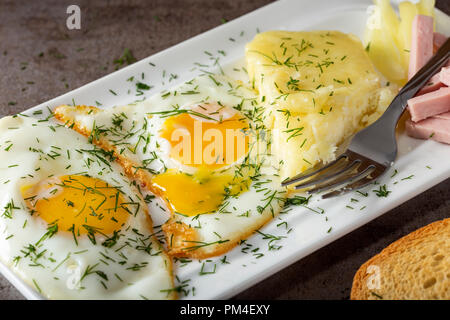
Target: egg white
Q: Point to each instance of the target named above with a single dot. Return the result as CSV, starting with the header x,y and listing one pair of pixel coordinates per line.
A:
x,y
30,152
239,216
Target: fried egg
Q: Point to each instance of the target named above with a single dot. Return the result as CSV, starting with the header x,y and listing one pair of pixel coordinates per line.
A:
x,y
72,224
201,147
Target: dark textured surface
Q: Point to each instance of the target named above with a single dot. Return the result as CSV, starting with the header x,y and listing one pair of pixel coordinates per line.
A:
x,y
40,59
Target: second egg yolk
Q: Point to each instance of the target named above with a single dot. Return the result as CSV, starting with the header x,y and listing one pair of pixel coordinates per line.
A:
x,y
195,194
77,203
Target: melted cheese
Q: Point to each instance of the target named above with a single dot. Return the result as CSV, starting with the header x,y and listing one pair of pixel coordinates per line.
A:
x,y
318,88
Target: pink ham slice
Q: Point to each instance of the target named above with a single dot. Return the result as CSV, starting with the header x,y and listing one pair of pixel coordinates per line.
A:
x,y
445,116
435,128
444,76
429,104
421,43
437,81
433,84
430,116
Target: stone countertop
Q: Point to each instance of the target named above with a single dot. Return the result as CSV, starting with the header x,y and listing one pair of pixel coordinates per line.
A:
x,y
34,49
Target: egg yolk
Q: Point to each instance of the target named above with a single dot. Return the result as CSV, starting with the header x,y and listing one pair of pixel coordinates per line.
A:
x,y
77,203
195,194
211,144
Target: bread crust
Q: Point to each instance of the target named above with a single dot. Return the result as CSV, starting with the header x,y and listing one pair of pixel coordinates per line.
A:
x,y
360,290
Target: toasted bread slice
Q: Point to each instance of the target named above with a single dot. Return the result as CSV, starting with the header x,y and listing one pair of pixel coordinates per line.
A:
x,y
416,266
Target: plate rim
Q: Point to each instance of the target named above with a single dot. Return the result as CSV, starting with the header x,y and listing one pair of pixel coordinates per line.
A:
x,y
29,293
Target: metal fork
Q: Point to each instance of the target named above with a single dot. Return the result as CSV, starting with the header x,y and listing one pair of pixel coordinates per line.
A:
x,y
372,150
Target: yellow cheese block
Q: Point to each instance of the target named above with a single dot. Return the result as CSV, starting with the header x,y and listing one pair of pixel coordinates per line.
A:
x,y
318,88
387,36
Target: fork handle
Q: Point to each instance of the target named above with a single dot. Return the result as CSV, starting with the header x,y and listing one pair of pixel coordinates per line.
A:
x,y
398,105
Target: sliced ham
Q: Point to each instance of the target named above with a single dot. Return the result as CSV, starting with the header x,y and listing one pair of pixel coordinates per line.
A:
x,y
433,84
444,76
445,116
429,104
421,43
440,79
435,128
430,108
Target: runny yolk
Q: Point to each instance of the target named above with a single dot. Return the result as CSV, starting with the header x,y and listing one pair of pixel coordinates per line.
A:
x,y
196,194
77,203
211,144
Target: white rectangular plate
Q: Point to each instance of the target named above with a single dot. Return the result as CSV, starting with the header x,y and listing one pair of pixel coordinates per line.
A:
x,y
300,231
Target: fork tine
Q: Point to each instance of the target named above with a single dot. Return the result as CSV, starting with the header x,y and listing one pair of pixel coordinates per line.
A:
x,y
329,177
311,172
379,170
348,180
349,187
